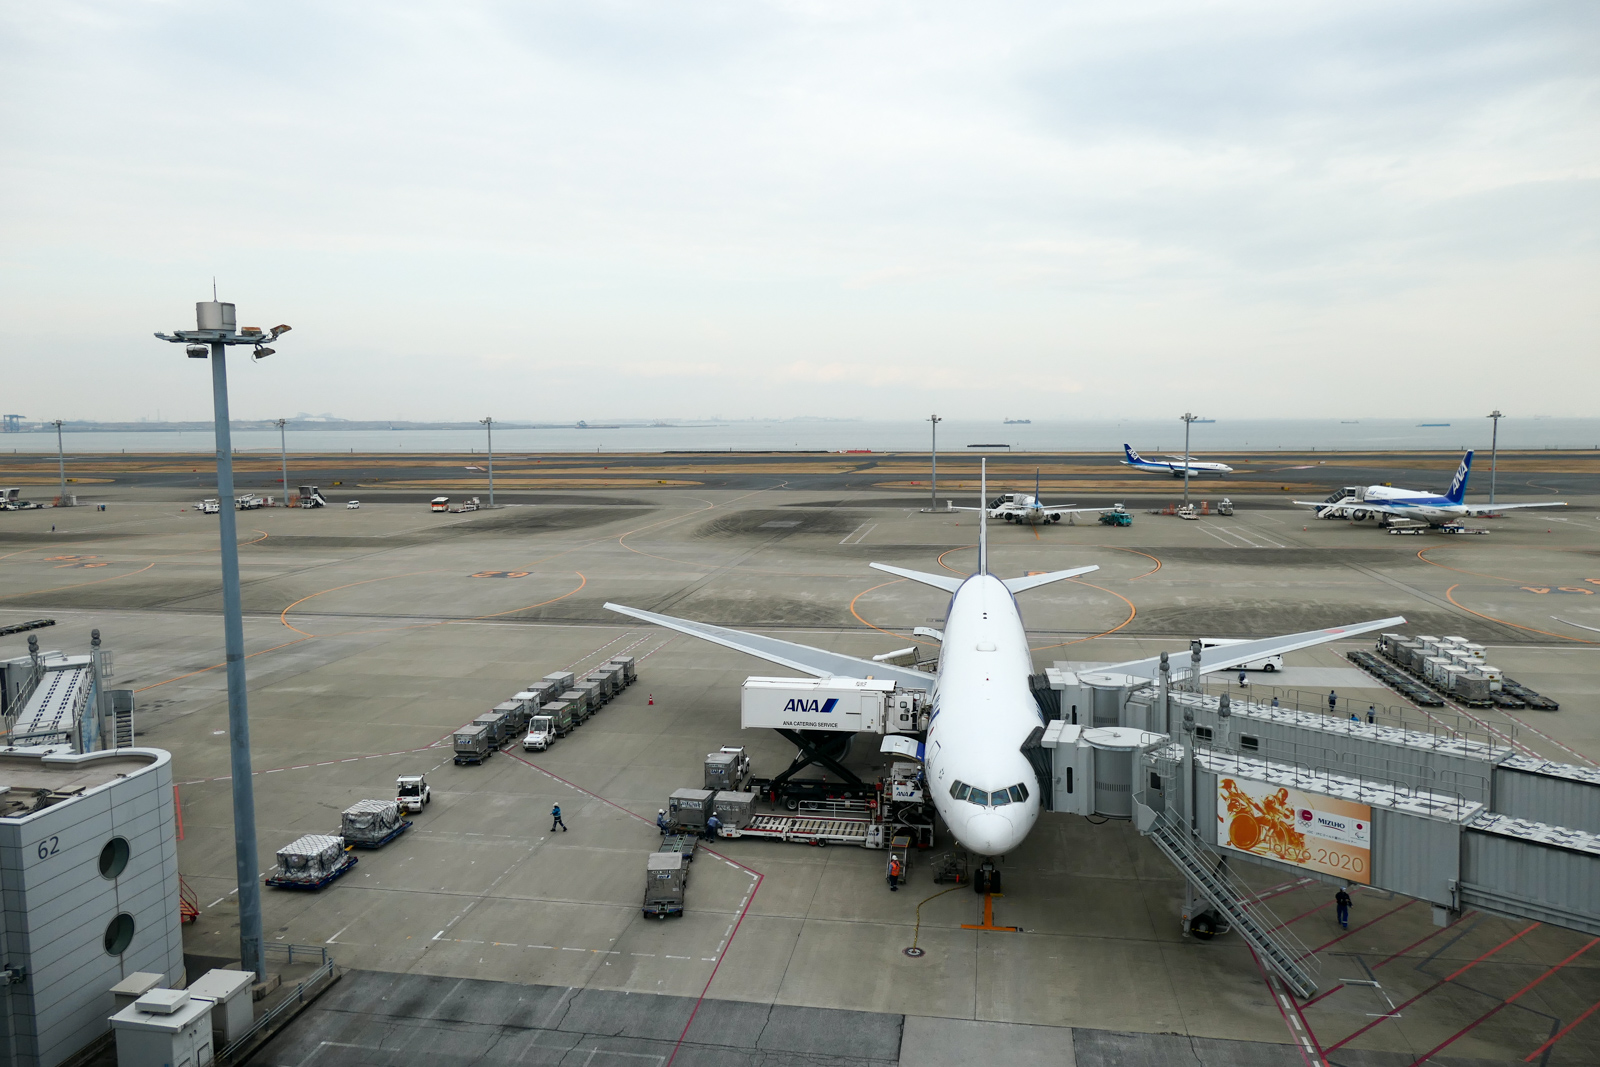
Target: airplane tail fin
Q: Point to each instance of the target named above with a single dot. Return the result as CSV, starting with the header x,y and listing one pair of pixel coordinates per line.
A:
x,y
1127,450
1458,488
1036,498
983,517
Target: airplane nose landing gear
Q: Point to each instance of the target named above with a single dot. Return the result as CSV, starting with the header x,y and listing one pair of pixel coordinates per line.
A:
x,y
986,879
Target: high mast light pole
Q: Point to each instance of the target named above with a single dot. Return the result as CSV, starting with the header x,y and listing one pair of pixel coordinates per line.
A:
x,y
933,464
1188,419
488,425
61,464
1494,449
215,332
283,452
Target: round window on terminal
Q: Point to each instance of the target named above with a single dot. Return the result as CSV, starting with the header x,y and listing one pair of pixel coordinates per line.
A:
x,y
114,857
119,934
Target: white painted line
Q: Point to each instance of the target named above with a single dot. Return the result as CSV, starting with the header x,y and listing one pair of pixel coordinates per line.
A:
x,y
333,940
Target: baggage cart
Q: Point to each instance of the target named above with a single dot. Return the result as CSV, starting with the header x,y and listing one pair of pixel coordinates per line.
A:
x,y
541,734
412,793
472,744
666,878
680,843
311,862
372,823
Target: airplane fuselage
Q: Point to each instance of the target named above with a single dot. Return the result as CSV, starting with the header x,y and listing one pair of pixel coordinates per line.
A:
x,y
983,712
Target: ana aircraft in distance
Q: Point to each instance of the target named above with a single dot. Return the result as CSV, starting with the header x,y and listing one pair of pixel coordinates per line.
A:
x,y
1385,502
983,712
1173,465
1030,510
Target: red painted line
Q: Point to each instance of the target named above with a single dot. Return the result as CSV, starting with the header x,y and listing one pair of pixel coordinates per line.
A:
x,y
1299,1045
1454,974
178,804
1512,999
1395,956
1561,1033
1364,925
1303,914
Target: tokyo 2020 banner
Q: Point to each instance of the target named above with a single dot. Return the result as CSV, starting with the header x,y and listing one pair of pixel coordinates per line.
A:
x,y
1308,830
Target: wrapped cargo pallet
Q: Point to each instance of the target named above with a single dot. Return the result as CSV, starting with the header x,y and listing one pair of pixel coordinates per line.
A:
x,y
311,862
370,823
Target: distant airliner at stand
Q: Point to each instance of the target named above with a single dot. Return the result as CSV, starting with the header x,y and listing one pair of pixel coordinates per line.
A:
x,y
1032,511
1173,465
983,712
1386,502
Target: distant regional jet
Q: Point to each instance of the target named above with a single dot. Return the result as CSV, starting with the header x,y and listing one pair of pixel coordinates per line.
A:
x,y
1173,465
1030,510
984,714
1387,502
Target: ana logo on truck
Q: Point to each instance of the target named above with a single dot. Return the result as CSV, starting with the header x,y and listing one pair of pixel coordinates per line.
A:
x,y
810,707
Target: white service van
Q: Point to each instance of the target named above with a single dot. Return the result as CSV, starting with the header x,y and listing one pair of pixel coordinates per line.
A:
x,y
1269,664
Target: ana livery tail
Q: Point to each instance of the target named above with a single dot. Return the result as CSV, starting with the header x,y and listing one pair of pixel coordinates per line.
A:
x,y
1458,488
983,517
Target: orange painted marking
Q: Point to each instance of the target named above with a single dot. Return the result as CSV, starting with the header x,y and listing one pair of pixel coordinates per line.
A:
x,y
988,919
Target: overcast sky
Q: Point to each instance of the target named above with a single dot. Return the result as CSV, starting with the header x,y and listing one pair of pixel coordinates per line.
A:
x,y
663,208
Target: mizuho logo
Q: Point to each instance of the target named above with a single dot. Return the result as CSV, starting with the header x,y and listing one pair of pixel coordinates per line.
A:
x,y
810,707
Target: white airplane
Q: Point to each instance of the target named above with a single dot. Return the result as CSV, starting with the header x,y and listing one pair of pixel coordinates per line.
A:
x,y
1030,510
1389,502
1173,465
982,709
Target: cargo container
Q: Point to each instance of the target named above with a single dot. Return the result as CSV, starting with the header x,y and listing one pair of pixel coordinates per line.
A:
x,y
728,768
594,691
498,725
842,705
562,680
577,700
560,714
311,862
666,880
372,823
516,713
733,809
630,668
472,744
605,685
688,808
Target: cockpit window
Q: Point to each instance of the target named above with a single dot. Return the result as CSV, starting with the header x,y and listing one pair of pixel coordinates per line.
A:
x,y
1015,794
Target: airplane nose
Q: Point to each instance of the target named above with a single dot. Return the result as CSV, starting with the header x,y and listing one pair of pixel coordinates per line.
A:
x,y
989,833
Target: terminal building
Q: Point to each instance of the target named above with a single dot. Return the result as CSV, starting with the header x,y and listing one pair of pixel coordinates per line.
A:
x,y
88,857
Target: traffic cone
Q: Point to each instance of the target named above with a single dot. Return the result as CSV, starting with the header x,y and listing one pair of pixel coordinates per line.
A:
x,y
652,699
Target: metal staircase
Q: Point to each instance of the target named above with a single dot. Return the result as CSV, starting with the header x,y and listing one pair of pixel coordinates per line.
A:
x,y
1281,950
122,718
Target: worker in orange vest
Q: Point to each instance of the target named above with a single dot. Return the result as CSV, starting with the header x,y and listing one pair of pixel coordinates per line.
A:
x,y
894,874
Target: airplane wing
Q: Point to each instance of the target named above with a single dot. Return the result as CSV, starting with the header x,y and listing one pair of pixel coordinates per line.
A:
x,y
1485,509
1222,657
1374,509
817,662
1081,511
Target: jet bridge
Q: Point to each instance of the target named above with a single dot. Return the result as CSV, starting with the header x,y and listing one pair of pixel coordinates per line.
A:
x,y
1459,821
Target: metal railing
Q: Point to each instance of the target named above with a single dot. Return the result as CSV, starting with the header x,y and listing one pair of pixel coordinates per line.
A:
x,y
1328,769
1247,914
1443,724
308,987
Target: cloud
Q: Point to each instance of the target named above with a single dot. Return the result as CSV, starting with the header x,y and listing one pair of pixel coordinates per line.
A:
x,y
753,206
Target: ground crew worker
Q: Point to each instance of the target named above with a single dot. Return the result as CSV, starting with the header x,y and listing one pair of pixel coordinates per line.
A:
x,y
894,874
1274,701
713,824
1342,900
661,821
1333,701
1372,713
555,819
1242,681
